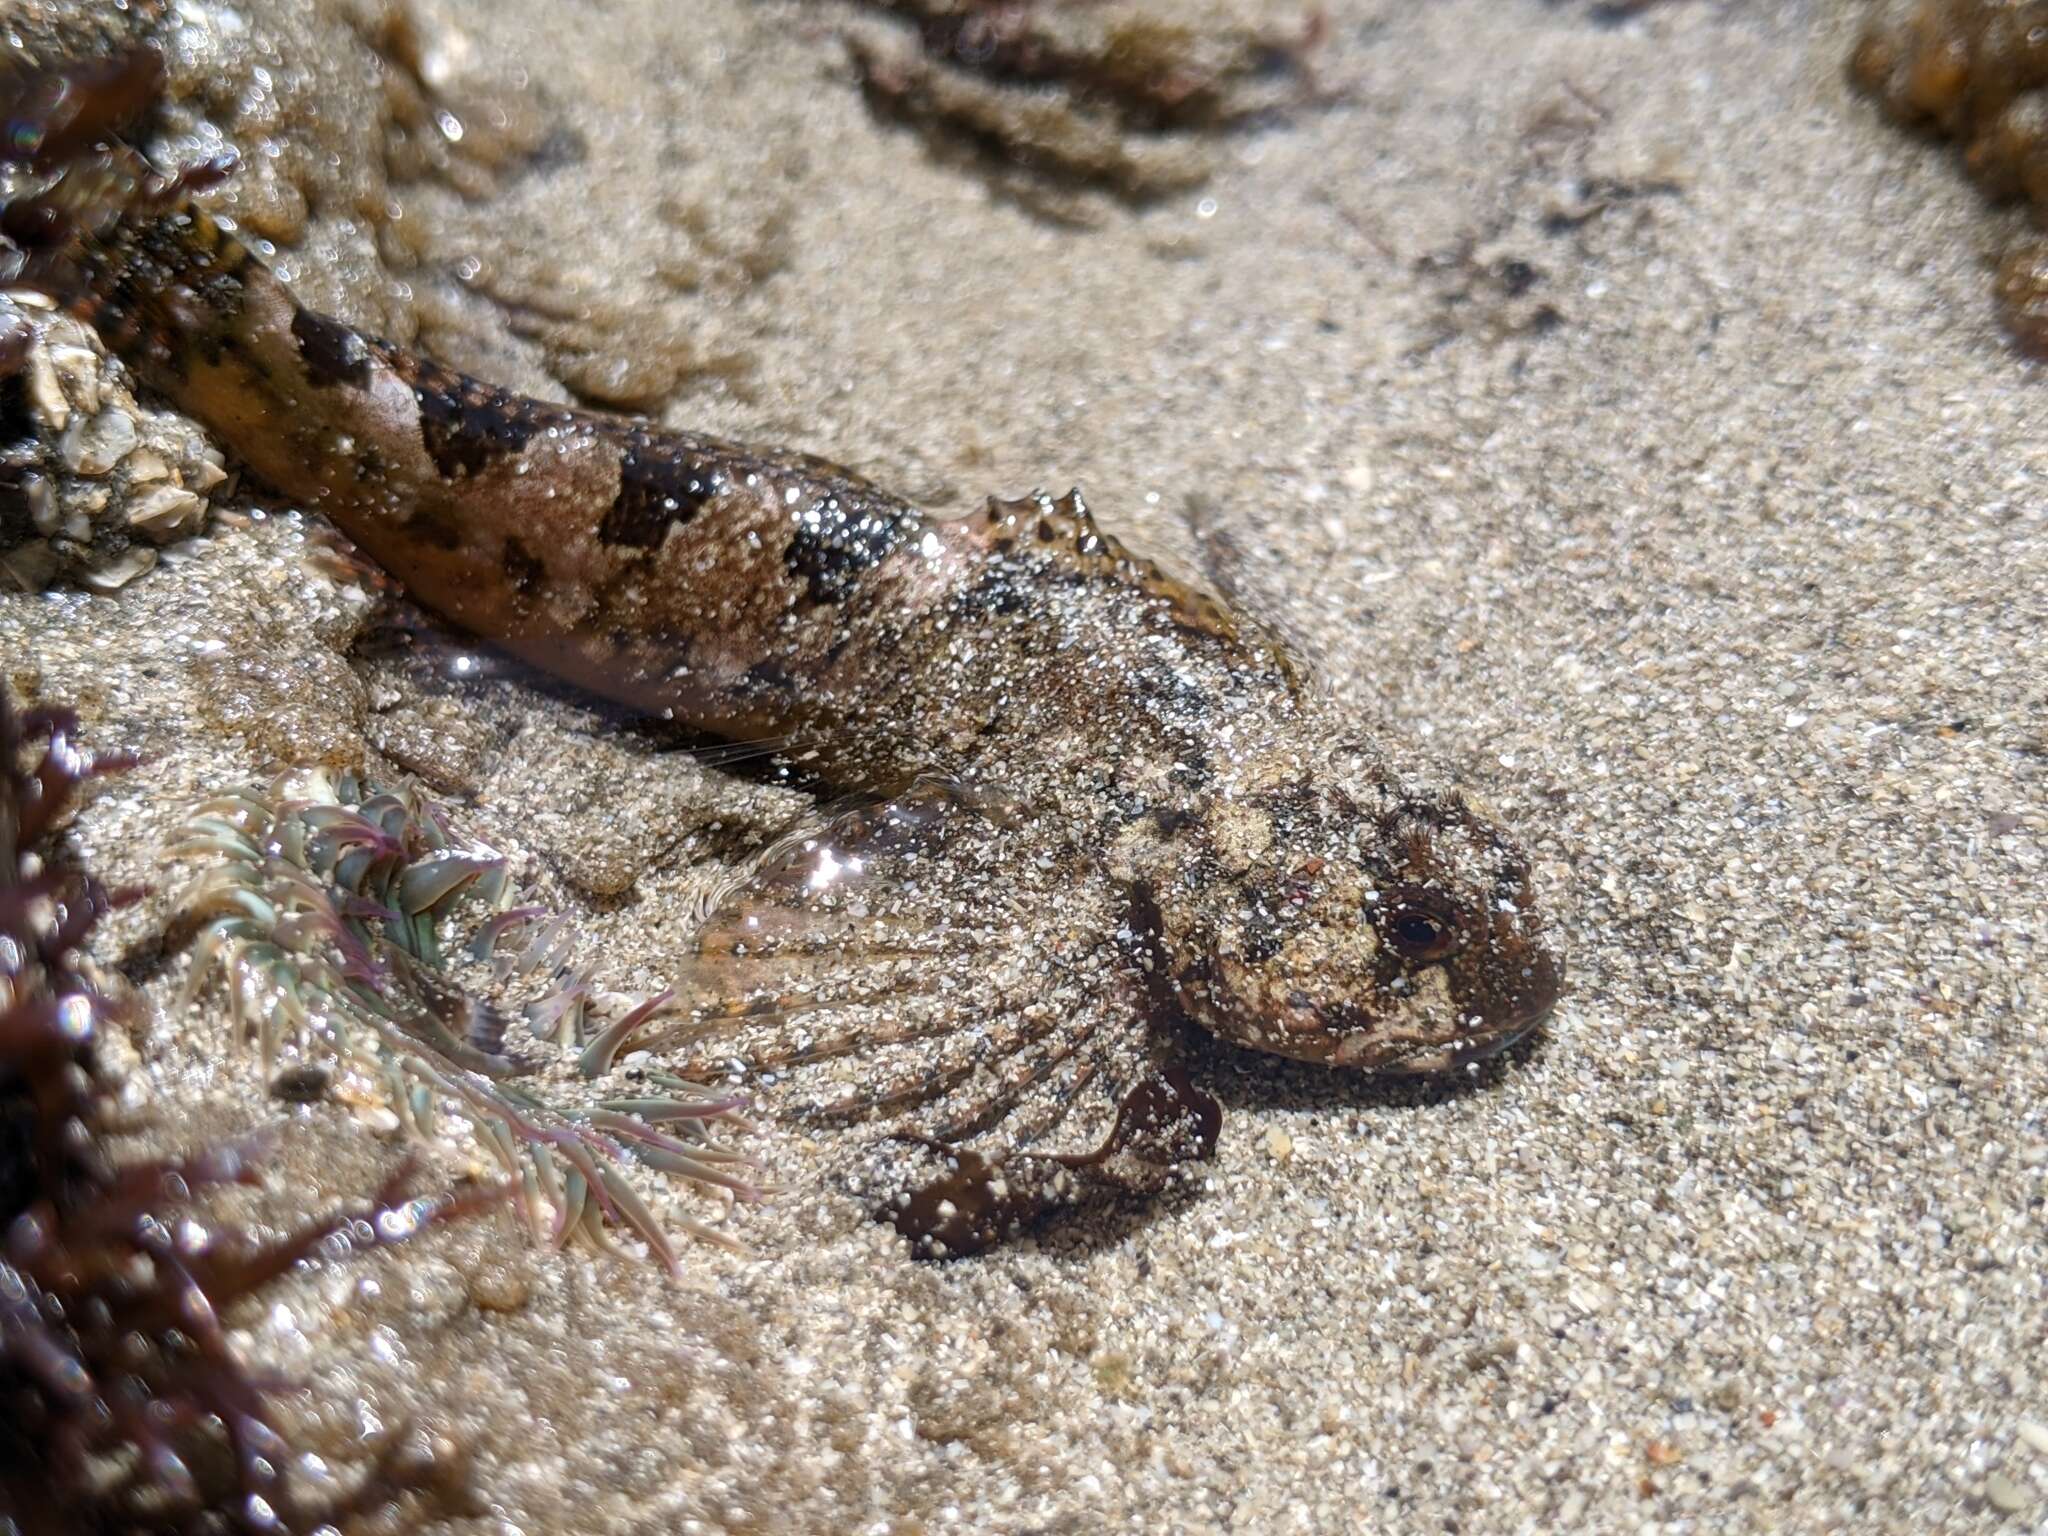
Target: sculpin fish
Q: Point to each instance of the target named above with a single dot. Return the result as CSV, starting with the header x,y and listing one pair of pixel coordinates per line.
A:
x,y
1086,806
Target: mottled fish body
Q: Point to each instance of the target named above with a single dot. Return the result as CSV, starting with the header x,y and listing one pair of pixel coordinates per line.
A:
x,y
1096,806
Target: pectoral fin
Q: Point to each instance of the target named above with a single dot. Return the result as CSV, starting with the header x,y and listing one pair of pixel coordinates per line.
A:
x,y
969,1202
944,962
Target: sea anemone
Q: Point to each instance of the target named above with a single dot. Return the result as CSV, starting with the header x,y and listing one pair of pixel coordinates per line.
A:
x,y
329,908
123,1408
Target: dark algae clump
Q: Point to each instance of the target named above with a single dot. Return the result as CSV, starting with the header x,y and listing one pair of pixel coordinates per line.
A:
x,y
1976,71
1148,71
1049,98
123,1407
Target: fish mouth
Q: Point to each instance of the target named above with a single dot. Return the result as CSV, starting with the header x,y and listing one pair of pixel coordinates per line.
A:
x,y
1469,1050
1351,1038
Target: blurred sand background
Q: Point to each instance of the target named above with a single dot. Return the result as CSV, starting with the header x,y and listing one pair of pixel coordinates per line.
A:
x,y
1610,402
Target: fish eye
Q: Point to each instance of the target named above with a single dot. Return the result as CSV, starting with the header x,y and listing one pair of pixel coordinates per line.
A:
x,y
1422,926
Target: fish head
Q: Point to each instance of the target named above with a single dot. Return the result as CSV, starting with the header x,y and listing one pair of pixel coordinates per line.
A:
x,y
1313,907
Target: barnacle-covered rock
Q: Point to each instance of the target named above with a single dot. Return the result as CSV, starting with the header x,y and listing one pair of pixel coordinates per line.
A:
x,y
91,482
328,910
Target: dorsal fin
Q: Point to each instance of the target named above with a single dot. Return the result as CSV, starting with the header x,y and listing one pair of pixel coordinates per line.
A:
x,y
1063,526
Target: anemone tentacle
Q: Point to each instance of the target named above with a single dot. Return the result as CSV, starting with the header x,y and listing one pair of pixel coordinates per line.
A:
x,y
327,910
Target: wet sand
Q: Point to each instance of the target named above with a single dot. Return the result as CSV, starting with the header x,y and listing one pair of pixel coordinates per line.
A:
x,y
1615,410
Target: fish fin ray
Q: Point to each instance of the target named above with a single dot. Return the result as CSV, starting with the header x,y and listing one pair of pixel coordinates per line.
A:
x,y
924,961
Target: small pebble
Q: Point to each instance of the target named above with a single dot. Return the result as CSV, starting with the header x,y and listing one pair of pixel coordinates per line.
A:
x,y
2004,1494
431,1291
45,397
42,504
498,1285
119,571
79,369
145,467
381,1120
204,469
166,512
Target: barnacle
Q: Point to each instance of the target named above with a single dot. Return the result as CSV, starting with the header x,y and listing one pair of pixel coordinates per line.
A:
x,y
91,481
327,908
122,1407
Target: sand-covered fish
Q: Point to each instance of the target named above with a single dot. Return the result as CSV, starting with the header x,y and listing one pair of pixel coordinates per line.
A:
x,y
1089,807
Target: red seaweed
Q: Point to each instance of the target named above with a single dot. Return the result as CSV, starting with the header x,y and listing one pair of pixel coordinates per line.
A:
x,y
123,1407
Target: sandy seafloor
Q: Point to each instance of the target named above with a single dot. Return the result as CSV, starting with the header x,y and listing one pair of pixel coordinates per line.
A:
x,y
1726,583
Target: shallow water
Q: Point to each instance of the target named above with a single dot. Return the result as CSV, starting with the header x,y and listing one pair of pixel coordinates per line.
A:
x,y
1616,409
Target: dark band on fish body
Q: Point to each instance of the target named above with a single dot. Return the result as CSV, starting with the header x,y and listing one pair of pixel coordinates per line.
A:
x,y
369,466
435,527
333,353
996,590
769,677
466,425
526,573
837,540
659,489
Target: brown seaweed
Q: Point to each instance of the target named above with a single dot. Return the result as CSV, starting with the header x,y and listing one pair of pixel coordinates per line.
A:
x,y
1049,98
1976,72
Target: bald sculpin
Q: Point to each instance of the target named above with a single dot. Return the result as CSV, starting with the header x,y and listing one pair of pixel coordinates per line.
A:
x,y
1089,807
